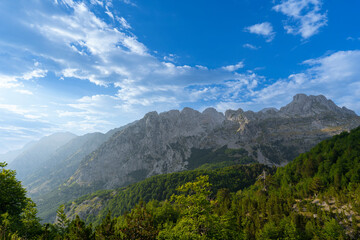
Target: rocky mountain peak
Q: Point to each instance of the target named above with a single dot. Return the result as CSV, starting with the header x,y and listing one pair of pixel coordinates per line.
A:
x,y
233,115
304,105
210,115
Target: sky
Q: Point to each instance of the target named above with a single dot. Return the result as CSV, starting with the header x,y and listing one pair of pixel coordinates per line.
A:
x,y
93,65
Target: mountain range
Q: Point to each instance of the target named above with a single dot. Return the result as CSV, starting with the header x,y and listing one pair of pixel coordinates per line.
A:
x,y
62,167
165,142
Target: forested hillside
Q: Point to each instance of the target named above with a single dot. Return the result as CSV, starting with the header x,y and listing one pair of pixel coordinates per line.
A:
x,y
94,207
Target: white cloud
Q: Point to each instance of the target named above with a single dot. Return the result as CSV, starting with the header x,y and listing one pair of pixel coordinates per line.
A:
x,y
170,58
83,75
250,46
129,2
264,29
97,2
336,76
201,67
37,73
24,91
305,18
88,31
14,109
338,68
235,67
110,14
9,82
123,22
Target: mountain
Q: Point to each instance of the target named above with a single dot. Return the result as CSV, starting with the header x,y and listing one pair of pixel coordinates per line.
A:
x,y
35,156
64,162
166,142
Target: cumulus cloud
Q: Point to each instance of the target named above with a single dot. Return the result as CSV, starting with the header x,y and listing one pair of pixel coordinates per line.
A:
x,y
305,17
264,29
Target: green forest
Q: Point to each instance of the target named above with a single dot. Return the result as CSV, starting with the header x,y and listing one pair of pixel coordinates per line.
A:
x,y
316,196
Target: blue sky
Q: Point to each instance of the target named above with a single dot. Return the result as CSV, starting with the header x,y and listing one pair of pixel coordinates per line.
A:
x,y
93,65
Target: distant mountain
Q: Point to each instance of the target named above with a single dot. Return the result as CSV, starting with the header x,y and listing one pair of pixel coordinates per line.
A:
x,y
166,142
8,157
61,164
35,156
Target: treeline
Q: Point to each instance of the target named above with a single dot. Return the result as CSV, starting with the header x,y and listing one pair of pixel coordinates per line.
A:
x,y
162,187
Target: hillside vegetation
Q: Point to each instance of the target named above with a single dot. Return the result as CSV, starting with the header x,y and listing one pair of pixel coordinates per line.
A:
x,y
94,207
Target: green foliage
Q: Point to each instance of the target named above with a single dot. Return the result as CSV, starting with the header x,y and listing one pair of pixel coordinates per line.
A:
x,y
200,157
106,230
17,212
78,231
62,222
12,194
333,163
332,230
196,218
139,224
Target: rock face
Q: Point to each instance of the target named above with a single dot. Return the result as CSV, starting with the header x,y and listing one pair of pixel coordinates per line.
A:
x,y
162,143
